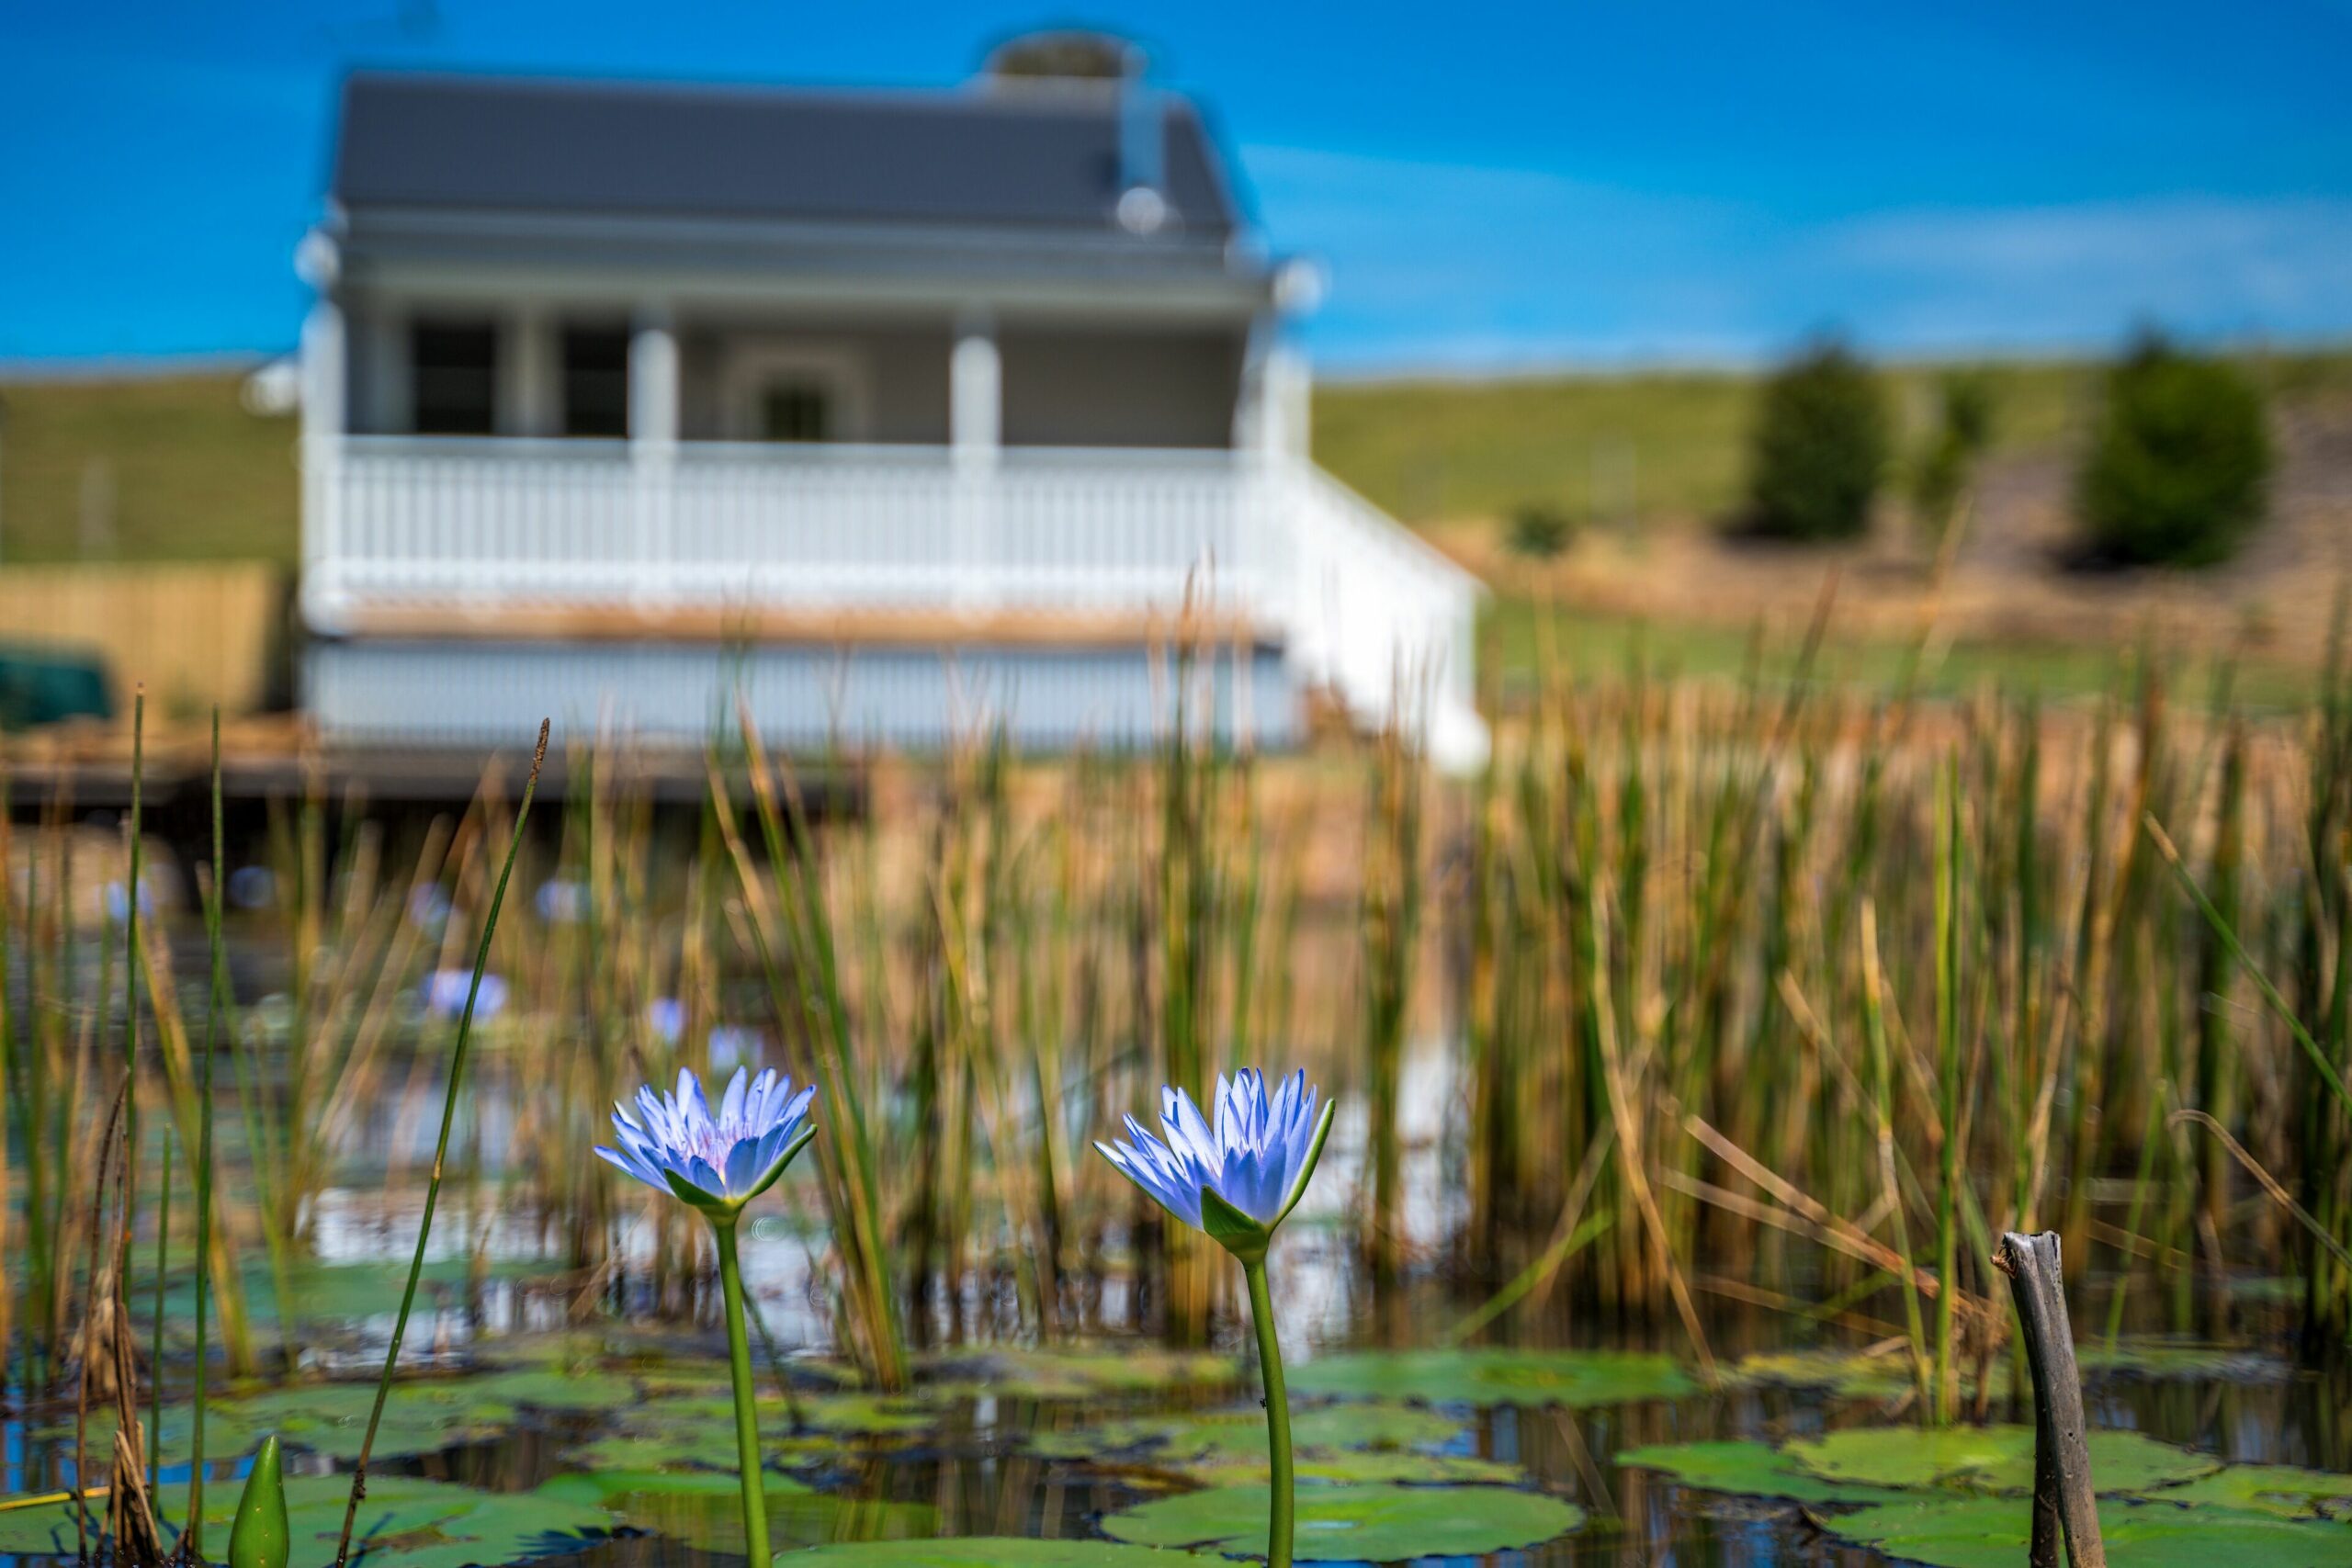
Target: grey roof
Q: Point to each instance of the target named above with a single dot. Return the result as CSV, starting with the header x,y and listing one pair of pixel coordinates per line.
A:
x,y
1027,158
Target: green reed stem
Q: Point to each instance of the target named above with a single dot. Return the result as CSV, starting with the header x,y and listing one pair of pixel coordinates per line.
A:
x,y
746,1426
130,998
440,1152
2227,934
219,952
1947,882
1269,1370
155,1355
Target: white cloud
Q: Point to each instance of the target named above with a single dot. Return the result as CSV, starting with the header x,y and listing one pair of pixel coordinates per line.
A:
x,y
1439,265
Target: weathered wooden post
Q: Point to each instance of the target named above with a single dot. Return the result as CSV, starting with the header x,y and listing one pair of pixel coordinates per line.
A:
x,y
2063,1501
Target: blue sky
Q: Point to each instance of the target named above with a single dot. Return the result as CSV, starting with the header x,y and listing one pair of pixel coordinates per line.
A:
x,y
1520,187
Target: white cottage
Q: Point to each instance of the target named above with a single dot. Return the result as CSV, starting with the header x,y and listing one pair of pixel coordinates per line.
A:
x,y
894,412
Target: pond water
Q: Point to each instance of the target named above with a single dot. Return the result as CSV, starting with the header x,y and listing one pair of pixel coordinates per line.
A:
x,y
615,1438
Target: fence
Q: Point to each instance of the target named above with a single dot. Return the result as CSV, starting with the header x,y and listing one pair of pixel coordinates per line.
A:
x,y
194,634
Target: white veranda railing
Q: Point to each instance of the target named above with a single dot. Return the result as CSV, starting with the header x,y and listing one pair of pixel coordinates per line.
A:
x,y
395,522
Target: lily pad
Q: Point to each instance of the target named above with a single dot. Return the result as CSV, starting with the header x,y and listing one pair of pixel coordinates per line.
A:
x,y
1337,1442
976,1551
405,1522
1849,1375
1750,1469
2157,1360
2280,1490
1017,1373
1841,1372
1990,1458
1497,1377
705,1508
1992,1533
690,1446
1369,1523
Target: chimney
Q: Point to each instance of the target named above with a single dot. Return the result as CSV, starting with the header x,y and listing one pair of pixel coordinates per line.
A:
x,y
1143,151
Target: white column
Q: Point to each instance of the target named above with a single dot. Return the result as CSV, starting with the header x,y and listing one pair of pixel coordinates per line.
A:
x,y
975,434
326,388
976,389
654,379
529,395
653,446
324,372
1287,403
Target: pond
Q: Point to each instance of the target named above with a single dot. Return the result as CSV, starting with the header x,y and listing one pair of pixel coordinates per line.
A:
x,y
1686,1067
514,1438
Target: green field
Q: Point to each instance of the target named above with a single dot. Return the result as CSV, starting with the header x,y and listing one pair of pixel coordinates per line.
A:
x,y
168,468
1647,445
1585,644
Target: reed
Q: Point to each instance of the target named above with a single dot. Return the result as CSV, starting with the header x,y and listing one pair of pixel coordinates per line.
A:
x,y
1782,989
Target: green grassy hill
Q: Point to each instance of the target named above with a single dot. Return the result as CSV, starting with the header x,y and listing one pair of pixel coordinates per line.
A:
x,y
172,466
1643,445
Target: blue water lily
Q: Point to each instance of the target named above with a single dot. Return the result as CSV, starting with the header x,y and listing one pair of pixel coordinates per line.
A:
x,y
1254,1158
1237,1177
716,1163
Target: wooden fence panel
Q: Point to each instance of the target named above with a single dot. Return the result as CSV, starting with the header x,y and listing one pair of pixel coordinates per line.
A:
x,y
195,633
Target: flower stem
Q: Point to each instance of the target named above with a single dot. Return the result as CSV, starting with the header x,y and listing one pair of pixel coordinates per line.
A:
x,y
747,1427
1269,1370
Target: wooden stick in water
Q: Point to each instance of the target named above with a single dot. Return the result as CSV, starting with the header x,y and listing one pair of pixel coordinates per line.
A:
x,y
2063,1501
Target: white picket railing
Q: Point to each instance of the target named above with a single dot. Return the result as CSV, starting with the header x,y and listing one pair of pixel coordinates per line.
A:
x,y
482,524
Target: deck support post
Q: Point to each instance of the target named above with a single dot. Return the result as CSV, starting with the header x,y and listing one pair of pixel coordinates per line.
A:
x,y
2064,1503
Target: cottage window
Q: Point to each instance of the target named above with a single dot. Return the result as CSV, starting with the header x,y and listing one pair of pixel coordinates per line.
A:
x,y
595,381
795,409
454,377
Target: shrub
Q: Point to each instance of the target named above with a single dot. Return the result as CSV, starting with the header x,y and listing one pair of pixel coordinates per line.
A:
x,y
2179,463
1540,531
1946,462
1818,449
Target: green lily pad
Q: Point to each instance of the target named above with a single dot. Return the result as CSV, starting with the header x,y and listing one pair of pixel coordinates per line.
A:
x,y
1990,1458
1338,1442
976,1551
1841,1372
420,1416
693,1446
404,1522
1849,1375
705,1508
1993,1532
1751,1470
2277,1489
1017,1373
2172,1360
1497,1377
858,1414
1353,1523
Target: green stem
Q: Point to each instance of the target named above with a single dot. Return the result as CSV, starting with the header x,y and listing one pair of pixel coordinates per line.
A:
x,y
746,1426
440,1152
1269,1370
218,953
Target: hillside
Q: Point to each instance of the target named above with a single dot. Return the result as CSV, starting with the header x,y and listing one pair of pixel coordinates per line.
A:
x,y
166,467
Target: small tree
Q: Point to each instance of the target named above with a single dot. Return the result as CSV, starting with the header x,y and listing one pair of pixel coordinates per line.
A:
x,y
2179,464
1946,462
1818,449
1540,531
